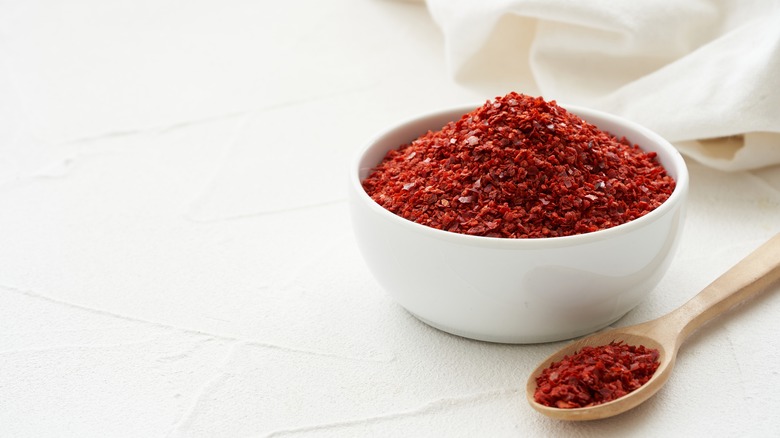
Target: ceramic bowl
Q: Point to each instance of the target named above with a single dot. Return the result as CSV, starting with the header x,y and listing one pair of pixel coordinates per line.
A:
x,y
516,290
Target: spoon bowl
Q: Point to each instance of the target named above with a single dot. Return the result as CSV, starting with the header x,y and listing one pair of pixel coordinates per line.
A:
x,y
629,335
754,274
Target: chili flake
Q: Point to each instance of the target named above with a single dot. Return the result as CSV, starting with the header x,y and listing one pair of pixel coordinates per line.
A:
x,y
519,167
595,375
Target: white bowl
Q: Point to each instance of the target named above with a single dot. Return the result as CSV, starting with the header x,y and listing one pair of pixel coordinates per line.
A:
x,y
516,290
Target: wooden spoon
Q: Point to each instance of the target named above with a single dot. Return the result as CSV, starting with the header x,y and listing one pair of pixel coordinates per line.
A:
x,y
747,278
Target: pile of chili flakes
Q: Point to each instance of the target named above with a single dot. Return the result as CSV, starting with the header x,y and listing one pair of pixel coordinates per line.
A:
x,y
519,167
595,375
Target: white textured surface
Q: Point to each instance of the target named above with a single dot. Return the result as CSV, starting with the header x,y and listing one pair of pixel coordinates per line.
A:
x,y
176,257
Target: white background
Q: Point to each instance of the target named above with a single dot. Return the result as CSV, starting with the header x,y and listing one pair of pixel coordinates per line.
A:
x,y
176,257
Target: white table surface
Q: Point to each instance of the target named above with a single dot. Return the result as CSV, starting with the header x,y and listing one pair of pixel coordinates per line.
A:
x,y
176,257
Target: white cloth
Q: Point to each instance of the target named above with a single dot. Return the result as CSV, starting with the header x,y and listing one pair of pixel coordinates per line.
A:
x,y
693,70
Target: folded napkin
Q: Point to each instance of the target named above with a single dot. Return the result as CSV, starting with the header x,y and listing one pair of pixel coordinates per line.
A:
x,y
705,74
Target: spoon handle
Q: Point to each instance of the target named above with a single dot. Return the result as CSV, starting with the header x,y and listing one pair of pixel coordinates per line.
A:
x,y
751,275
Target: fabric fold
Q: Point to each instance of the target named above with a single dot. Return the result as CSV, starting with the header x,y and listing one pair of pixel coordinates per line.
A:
x,y
703,74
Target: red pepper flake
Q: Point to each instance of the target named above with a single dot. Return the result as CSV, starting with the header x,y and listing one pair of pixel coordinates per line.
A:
x,y
595,375
519,167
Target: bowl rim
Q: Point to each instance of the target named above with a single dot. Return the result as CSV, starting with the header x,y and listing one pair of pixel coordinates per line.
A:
x,y
675,166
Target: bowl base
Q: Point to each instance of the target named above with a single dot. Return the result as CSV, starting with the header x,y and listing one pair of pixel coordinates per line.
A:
x,y
518,339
